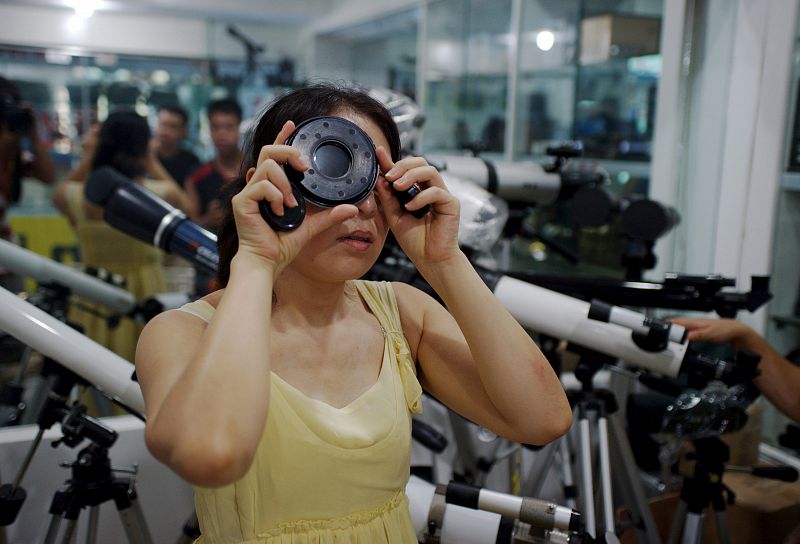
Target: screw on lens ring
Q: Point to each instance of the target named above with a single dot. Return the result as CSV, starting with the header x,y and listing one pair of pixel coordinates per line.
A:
x,y
343,166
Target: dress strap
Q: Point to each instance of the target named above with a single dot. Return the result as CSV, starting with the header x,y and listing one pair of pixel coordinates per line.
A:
x,y
380,298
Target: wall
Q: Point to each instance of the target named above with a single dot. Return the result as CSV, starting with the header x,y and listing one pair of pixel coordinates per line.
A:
x,y
141,34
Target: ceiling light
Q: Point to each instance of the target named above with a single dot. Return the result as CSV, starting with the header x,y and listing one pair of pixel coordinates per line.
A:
x,y
545,40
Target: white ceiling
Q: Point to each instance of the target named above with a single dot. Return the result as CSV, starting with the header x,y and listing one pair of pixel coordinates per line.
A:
x,y
268,11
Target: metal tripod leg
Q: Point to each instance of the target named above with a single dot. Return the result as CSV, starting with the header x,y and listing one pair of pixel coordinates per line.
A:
x,y
647,531
540,468
566,473
693,528
134,523
605,472
587,487
677,522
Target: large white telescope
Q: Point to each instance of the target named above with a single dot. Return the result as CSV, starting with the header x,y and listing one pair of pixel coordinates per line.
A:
x,y
27,263
101,367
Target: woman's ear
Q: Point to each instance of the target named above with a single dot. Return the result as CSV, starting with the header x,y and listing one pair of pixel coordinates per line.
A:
x,y
250,172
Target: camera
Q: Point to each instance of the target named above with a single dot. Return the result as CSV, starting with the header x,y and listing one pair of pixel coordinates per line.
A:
x,y
343,169
17,118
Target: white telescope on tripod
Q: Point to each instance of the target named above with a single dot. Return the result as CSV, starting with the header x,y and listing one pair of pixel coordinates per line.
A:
x,y
102,368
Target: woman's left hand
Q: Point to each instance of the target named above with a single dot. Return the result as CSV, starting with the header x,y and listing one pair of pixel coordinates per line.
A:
x,y
433,238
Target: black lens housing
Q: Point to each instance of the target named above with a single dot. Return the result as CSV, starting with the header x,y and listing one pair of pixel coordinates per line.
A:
x,y
343,166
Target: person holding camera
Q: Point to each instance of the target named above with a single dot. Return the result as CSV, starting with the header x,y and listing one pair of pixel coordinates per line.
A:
x,y
779,380
22,154
286,396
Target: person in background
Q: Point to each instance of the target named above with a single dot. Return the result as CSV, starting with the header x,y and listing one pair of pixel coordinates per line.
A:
x,y
224,118
122,142
203,187
22,154
170,134
779,380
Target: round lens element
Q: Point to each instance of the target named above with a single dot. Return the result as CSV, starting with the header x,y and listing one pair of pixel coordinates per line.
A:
x,y
328,147
333,160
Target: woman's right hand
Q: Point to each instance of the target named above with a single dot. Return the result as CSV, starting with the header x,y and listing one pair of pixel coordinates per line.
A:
x,y
268,181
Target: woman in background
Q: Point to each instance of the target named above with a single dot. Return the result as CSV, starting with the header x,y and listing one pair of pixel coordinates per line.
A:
x,y
122,142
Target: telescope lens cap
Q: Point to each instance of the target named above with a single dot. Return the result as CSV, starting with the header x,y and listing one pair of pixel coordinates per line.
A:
x,y
343,166
291,218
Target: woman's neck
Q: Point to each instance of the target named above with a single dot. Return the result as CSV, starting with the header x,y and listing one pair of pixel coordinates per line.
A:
x,y
303,301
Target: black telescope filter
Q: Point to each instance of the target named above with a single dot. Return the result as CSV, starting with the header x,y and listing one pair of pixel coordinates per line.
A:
x,y
343,168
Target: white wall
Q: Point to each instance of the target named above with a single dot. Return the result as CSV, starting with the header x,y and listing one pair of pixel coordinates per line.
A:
x,y
730,144
142,34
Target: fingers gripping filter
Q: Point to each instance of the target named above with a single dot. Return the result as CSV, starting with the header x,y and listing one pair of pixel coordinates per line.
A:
x,y
343,168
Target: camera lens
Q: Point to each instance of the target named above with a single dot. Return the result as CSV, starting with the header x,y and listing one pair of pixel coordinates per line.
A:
x,y
332,159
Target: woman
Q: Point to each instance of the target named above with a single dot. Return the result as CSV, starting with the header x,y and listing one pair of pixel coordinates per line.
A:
x,y
122,142
286,396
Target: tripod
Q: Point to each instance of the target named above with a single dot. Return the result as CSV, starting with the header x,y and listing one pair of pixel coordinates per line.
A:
x,y
92,484
597,416
92,481
702,489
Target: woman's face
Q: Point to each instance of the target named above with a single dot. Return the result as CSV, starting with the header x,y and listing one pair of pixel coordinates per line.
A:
x,y
347,250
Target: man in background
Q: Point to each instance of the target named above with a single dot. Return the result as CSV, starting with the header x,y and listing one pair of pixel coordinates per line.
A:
x,y
224,117
170,134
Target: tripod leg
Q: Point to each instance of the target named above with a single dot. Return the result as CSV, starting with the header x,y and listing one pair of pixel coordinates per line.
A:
x,y
646,524
52,529
693,528
91,531
566,473
133,521
538,472
69,532
605,474
587,488
722,522
678,522
463,438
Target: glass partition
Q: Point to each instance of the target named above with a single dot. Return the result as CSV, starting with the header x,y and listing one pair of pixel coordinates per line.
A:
x,y
466,76
783,327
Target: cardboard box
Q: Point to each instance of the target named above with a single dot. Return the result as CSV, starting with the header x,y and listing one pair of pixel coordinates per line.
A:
x,y
608,37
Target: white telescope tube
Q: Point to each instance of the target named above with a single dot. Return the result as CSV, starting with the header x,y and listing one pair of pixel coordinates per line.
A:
x,y
518,181
635,321
101,367
27,263
565,317
460,525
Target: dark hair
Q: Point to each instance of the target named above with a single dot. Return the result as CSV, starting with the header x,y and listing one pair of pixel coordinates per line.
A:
x,y
298,106
177,110
224,105
122,143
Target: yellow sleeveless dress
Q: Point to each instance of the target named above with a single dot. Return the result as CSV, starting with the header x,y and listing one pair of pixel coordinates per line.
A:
x,y
103,246
322,474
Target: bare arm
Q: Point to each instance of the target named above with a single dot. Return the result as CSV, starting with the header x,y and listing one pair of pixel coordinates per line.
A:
x,y
479,361
42,167
59,199
88,146
206,389
779,379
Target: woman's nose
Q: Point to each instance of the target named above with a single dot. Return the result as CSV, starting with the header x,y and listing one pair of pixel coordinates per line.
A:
x,y
368,206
